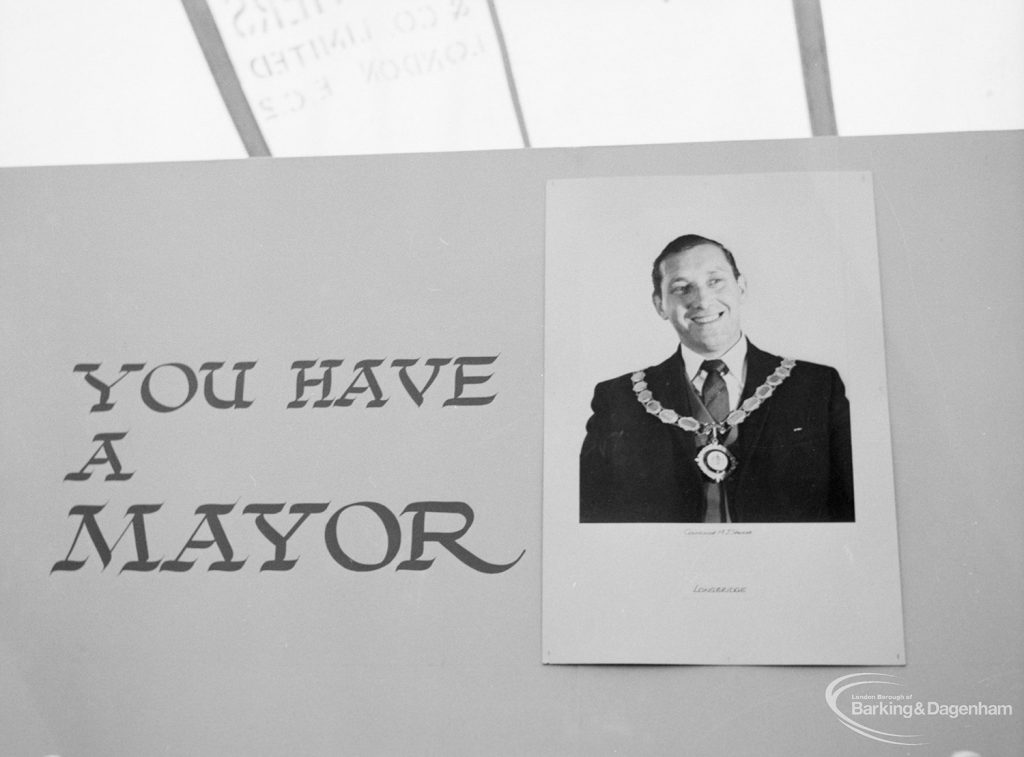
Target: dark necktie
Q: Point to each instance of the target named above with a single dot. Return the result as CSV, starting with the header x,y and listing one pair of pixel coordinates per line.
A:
x,y
713,394
715,397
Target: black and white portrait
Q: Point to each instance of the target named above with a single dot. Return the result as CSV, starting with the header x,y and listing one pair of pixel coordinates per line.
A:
x,y
721,431
716,432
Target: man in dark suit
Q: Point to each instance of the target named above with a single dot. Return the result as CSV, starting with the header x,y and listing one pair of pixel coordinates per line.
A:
x,y
721,431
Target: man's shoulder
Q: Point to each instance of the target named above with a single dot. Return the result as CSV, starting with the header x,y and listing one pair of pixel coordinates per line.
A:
x,y
618,382
805,369
625,382
815,370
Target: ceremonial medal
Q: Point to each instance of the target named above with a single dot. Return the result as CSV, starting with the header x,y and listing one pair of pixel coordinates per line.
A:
x,y
714,459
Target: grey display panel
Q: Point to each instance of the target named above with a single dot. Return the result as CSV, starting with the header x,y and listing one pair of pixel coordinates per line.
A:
x,y
420,257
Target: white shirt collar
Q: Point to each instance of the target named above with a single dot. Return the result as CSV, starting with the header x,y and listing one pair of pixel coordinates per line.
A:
x,y
735,359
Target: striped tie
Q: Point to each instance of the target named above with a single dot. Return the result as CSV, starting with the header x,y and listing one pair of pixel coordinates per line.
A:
x,y
714,395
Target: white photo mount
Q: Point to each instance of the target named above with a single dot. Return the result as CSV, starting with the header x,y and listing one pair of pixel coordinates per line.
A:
x,y
817,593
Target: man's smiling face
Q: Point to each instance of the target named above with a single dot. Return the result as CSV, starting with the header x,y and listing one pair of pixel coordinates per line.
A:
x,y
701,296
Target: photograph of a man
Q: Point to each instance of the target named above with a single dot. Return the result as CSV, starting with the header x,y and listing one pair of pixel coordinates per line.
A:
x,y
721,431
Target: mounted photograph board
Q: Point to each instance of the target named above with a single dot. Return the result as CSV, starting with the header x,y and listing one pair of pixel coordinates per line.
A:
x,y
273,437
743,591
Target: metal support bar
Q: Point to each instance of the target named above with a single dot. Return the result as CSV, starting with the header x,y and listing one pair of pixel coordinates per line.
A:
x,y
810,30
224,74
513,92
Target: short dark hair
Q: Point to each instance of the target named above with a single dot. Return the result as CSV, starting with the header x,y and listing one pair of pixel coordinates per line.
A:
x,y
682,244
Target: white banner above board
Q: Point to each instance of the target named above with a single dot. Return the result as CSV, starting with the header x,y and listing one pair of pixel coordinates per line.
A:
x,y
365,76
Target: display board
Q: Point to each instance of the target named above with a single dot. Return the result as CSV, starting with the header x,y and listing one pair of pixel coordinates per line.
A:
x,y
273,438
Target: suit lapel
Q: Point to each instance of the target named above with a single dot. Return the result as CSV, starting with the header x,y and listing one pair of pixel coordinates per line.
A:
x,y
760,366
667,382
